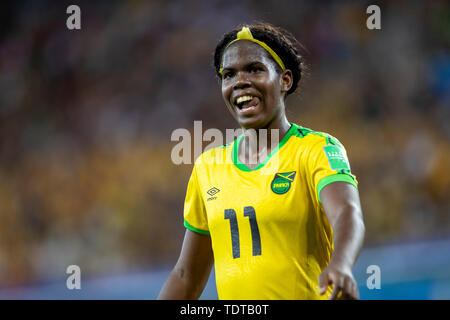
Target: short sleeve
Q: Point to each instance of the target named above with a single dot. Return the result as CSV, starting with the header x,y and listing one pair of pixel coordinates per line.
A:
x,y
195,218
328,163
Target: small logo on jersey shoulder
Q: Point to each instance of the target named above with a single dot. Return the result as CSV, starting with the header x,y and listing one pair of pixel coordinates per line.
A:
x,y
282,182
337,157
212,192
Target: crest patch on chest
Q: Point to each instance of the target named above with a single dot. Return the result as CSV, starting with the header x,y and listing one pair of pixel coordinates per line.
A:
x,y
282,182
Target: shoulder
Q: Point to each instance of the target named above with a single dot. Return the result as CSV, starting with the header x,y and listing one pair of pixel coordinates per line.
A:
x,y
314,139
213,156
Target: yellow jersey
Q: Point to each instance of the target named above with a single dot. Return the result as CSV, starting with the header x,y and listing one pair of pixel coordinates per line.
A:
x,y
269,233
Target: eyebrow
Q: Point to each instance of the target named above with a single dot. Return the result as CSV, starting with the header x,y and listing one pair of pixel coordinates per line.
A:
x,y
248,65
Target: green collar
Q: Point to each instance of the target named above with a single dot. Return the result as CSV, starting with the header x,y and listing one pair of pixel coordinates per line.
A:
x,y
243,167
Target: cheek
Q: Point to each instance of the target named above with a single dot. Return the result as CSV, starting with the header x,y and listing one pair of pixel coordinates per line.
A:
x,y
226,92
270,89
223,88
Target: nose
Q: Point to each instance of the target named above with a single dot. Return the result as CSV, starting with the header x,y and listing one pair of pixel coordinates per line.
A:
x,y
242,81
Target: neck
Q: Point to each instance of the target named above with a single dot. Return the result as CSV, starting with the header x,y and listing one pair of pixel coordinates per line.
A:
x,y
258,143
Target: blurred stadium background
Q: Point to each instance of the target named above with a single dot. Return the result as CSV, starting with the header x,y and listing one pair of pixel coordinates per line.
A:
x,y
86,116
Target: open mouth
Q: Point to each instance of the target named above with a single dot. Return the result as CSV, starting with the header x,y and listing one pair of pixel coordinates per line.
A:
x,y
246,103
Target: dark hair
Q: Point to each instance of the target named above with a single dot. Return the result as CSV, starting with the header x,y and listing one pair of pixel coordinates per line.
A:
x,y
278,39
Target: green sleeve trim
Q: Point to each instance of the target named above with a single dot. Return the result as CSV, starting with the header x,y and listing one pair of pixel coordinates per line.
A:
x,y
188,226
334,178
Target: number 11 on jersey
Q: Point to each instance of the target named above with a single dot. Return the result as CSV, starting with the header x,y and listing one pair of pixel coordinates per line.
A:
x,y
249,212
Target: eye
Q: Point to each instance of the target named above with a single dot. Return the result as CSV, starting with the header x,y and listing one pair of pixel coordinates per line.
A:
x,y
227,75
255,69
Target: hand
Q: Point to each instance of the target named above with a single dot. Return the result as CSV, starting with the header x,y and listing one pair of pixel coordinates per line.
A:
x,y
344,285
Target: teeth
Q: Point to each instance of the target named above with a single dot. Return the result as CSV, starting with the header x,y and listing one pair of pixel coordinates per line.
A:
x,y
244,99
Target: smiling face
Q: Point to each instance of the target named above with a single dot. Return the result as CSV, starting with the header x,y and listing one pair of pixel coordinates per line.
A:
x,y
252,88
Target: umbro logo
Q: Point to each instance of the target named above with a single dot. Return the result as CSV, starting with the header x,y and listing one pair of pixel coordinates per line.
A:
x,y
213,191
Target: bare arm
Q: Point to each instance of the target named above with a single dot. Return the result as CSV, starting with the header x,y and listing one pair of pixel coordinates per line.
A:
x,y
342,206
191,272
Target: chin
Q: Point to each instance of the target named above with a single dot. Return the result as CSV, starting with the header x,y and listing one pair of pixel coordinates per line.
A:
x,y
252,123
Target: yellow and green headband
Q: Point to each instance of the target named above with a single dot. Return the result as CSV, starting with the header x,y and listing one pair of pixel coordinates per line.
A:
x,y
245,34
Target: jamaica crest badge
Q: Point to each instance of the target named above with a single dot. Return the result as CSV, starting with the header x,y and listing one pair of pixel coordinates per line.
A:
x,y
282,181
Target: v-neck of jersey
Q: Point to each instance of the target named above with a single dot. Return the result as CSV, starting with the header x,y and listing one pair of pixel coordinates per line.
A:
x,y
235,152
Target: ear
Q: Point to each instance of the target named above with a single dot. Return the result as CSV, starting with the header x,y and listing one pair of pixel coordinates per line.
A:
x,y
286,80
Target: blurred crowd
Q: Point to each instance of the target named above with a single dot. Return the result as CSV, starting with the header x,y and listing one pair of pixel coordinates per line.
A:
x,y
86,117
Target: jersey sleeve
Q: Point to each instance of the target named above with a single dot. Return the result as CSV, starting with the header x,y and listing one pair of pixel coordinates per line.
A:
x,y
328,163
195,218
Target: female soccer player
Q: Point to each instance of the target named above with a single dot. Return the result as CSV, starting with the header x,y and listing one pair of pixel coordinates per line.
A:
x,y
293,232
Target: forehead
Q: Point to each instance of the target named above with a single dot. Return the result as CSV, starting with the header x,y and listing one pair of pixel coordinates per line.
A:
x,y
242,52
